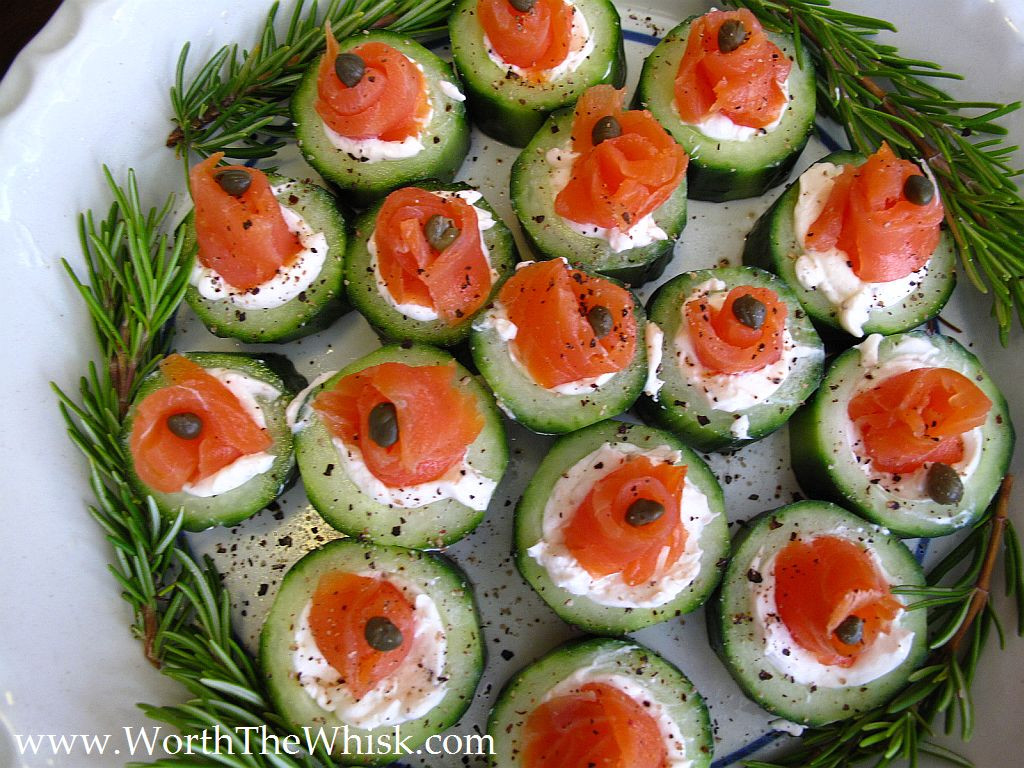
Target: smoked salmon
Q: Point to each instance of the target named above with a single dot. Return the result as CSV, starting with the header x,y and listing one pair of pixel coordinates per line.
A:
x,y
550,304
242,237
725,344
219,429
434,419
535,40
918,417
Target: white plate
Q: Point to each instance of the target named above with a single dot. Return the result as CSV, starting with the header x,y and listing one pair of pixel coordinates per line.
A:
x,y
91,89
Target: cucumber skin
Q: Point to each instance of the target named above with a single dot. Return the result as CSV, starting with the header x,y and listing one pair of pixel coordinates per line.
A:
x,y
389,324
504,117
363,183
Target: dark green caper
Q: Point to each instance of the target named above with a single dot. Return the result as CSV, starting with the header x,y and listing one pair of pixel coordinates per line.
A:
x,y
187,426
943,484
749,311
643,512
850,630
605,128
382,635
440,231
731,35
600,320
918,190
349,68
383,424
234,181
523,6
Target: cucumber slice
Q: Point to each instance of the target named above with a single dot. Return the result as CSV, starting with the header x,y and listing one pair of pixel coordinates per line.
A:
x,y
314,308
436,576
740,642
580,609
772,244
684,408
533,198
722,169
512,109
665,691
230,507
346,507
382,315
445,138
821,436
544,410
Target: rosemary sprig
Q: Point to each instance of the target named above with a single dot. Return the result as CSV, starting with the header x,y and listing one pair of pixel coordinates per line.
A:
x,y
960,622
237,102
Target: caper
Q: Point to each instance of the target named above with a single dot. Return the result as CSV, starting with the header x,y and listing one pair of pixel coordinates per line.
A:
x,y
187,426
731,35
918,190
523,6
749,311
605,128
643,512
381,634
440,231
349,68
383,424
850,630
234,181
943,484
600,320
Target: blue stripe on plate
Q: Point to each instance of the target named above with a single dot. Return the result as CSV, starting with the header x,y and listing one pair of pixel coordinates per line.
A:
x,y
922,549
749,749
641,37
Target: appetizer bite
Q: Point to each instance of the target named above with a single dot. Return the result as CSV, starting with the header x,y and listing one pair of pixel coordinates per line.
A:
x,y
859,241
521,59
370,638
600,702
208,438
603,187
907,431
806,621
378,111
621,527
267,254
732,357
559,347
403,446
423,263
737,99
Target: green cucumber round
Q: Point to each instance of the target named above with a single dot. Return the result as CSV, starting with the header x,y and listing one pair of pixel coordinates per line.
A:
x,y
581,609
432,574
722,169
772,244
740,642
665,689
511,108
445,138
230,507
821,436
345,507
313,309
386,319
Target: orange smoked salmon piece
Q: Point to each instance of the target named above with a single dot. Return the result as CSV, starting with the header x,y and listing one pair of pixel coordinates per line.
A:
x,y
619,181
867,216
819,584
389,103
600,726
166,462
724,344
342,605
454,282
243,239
603,542
918,417
745,84
549,302
536,40
437,419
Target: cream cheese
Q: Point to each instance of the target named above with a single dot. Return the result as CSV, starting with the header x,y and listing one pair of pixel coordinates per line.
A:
x,y
581,45
451,90
654,337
